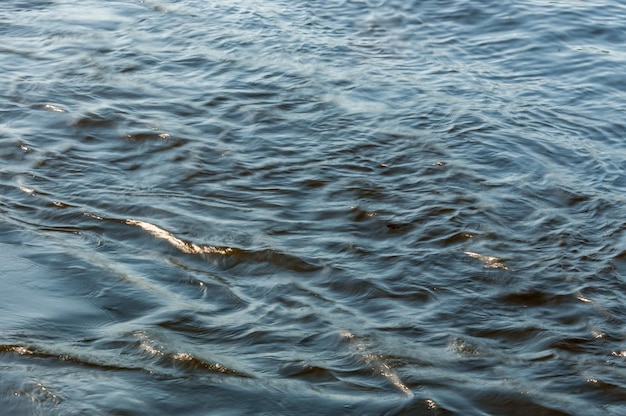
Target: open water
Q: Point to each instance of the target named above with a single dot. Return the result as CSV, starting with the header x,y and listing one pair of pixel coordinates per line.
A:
x,y
302,207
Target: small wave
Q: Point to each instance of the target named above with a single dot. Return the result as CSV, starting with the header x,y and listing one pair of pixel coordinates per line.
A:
x,y
183,360
232,256
489,262
182,245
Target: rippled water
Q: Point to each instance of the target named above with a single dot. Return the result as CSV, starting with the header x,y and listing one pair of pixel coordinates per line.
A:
x,y
312,207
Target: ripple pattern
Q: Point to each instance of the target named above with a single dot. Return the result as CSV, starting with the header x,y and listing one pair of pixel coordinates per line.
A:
x,y
316,207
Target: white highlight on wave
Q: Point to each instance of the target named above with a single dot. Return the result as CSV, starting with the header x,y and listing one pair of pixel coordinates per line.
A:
x,y
489,262
182,245
151,347
55,108
378,364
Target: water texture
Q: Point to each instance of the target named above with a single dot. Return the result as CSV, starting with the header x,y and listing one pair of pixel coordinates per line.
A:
x,y
312,207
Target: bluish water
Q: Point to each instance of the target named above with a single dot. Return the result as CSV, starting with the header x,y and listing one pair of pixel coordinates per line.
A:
x,y
312,207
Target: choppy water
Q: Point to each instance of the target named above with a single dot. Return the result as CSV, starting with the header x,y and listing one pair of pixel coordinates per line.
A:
x,y
312,207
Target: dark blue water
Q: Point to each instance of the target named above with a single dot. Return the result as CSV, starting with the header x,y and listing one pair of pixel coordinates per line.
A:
x,y
312,207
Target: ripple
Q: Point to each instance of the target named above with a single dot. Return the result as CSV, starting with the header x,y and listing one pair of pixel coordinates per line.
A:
x,y
184,246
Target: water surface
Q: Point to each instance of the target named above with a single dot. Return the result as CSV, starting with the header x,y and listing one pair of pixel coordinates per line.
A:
x,y
312,207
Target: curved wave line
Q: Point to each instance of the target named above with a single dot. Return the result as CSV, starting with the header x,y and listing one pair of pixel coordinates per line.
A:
x,y
184,246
